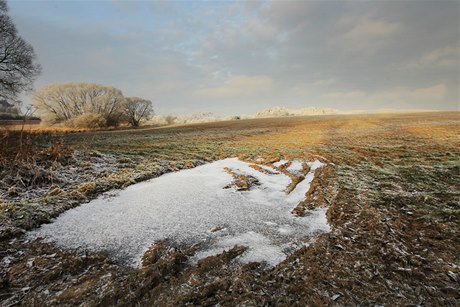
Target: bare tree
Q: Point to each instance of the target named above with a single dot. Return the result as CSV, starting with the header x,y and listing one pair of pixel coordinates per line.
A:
x,y
137,109
17,59
61,102
170,119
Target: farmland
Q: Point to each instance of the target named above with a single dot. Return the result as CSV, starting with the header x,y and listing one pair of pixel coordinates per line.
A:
x,y
391,186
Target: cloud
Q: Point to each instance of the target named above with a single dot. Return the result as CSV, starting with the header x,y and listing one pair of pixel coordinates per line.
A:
x,y
287,14
324,82
305,90
102,58
345,95
219,56
371,30
435,93
366,34
239,86
394,97
446,57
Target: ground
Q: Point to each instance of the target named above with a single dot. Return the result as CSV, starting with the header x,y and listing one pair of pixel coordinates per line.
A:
x,y
392,190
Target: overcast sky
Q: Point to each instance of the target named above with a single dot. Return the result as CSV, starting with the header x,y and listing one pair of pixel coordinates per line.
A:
x,y
240,57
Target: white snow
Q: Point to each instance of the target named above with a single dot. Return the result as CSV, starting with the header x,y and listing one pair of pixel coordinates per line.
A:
x,y
295,167
280,162
184,207
314,165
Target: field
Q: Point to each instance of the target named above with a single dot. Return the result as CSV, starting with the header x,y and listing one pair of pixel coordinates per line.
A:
x,y
391,186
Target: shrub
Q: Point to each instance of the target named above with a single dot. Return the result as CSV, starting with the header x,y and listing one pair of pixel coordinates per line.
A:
x,y
170,119
87,120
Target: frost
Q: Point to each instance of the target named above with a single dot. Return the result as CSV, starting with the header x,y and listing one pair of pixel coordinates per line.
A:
x,y
185,206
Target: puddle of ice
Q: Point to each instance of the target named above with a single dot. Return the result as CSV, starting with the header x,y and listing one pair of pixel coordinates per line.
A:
x,y
184,206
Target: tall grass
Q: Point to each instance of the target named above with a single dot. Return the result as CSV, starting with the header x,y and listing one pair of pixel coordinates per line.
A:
x,y
26,160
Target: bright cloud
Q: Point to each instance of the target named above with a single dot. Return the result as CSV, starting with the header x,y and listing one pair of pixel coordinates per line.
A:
x,y
371,30
239,86
392,97
442,58
365,36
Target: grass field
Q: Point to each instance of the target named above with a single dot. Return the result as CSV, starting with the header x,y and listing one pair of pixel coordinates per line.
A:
x,y
392,186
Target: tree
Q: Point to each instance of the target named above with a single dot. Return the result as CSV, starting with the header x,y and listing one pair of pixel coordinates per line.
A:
x,y
62,102
136,109
17,59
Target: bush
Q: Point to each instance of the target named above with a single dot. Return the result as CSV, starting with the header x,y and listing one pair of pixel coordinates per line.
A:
x,y
87,120
170,119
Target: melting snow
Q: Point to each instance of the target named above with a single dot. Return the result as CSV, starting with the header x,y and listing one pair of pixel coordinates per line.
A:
x,y
295,167
314,165
184,207
280,163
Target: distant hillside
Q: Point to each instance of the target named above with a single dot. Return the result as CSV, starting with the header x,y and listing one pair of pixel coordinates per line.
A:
x,y
199,117
282,111
205,117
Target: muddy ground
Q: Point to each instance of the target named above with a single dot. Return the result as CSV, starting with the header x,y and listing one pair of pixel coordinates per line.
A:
x,y
392,187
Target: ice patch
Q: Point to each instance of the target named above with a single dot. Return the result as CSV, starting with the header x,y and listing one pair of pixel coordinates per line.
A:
x,y
314,165
280,163
184,206
260,248
295,167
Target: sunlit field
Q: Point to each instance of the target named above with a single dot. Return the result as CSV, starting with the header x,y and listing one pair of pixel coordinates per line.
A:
x,y
390,184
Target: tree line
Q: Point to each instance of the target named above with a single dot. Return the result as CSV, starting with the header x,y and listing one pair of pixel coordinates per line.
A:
x,y
89,105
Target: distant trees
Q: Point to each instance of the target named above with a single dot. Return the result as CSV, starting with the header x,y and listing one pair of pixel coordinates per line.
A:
x,y
17,59
136,109
89,105
170,119
61,102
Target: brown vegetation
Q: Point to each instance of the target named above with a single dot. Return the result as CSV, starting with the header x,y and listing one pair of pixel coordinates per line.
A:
x,y
241,182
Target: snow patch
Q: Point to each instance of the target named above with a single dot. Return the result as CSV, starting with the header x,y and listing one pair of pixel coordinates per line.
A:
x,y
184,206
315,165
268,168
295,167
280,163
260,248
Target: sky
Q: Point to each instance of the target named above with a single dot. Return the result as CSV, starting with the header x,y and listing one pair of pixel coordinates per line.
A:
x,y
240,57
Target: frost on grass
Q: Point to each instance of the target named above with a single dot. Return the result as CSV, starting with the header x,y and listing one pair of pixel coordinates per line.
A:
x,y
193,206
